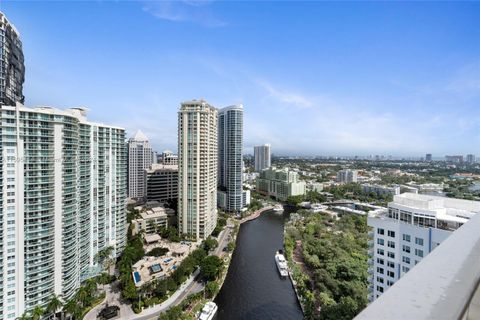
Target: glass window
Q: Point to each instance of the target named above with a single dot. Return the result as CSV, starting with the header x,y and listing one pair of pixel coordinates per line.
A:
x,y
380,231
419,253
391,244
391,234
406,259
391,255
406,249
419,241
380,241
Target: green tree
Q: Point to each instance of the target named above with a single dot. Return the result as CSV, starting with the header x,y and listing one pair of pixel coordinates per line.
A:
x,y
54,305
211,289
211,267
72,308
24,316
210,244
130,292
37,313
294,200
231,246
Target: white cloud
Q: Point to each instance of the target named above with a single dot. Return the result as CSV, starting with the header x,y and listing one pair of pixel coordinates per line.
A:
x,y
195,11
286,97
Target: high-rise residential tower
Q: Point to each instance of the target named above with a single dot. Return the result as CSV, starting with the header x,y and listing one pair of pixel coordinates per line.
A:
x,y
262,157
63,183
470,158
140,158
230,151
428,157
12,68
197,168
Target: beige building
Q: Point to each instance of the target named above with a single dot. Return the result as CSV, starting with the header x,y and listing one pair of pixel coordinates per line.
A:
x,y
280,184
197,168
151,219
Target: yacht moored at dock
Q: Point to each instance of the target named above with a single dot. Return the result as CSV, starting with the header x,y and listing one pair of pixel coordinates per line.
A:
x,y
208,311
278,208
281,263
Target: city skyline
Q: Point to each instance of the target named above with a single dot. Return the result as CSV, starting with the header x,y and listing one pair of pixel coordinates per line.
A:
x,y
335,98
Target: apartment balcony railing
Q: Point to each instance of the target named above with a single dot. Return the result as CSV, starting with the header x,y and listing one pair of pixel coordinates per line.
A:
x,y
444,285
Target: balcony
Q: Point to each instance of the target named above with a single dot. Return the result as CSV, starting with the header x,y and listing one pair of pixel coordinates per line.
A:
x,y
444,285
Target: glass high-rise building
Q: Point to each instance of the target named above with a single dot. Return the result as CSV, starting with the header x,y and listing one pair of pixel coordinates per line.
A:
x,y
197,168
230,152
63,196
12,68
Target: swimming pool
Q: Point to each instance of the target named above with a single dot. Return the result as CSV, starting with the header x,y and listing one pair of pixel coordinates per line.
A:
x,y
136,277
155,268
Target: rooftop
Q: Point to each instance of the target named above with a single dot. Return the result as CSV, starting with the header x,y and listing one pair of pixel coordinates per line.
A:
x,y
139,136
162,167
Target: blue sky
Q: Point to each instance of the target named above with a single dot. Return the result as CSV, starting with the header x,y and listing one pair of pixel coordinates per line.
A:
x,y
315,78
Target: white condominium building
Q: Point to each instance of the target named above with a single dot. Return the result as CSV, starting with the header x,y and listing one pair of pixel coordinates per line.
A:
x,y
347,176
262,156
197,168
413,226
140,158
280,183
63,183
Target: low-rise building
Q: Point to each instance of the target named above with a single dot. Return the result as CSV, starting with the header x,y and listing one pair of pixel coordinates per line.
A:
x,y
169,158
427,188
280,183
315,186
151,219
414,225
381,190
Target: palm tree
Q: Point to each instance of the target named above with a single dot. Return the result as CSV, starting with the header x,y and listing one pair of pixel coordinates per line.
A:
x,y
71,308
91,286
37,313
82,296
54,305
24,316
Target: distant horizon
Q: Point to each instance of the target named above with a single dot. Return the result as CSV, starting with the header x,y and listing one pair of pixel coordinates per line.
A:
x,y
391,78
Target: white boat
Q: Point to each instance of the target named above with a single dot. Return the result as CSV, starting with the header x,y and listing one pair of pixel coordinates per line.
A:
x,y
208,311
281,264
278,208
